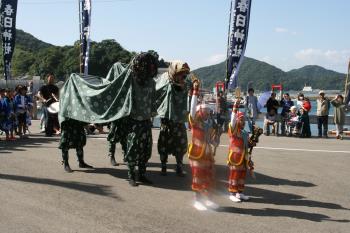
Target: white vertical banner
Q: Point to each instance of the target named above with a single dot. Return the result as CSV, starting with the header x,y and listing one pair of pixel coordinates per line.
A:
x,y
85,30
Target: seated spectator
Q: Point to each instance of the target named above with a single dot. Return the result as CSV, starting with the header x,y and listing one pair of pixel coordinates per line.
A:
x,y
271,118
293,123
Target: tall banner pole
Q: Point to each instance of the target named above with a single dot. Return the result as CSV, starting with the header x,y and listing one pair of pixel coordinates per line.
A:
x,y
347,86
81,68
8,12
228,46
238,35
85,25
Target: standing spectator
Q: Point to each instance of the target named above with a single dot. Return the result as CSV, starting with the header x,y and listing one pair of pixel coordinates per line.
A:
x,y
32,95
222,112
305,122
300,100
272,103
6,114
12,123
23,105
339,114
286,104
45,94
322,114
251,106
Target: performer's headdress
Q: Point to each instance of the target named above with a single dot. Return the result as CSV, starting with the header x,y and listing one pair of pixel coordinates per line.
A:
x,y
177,67
203,106
144,66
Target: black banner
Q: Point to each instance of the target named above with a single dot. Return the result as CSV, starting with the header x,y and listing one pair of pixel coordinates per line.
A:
x,y
238,35
347,88
85,21
8,12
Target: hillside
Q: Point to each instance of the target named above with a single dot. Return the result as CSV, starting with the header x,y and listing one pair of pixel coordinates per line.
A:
x,y
35,57
262,75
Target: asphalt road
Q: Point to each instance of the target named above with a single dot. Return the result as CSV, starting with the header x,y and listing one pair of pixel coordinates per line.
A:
x,y
302,185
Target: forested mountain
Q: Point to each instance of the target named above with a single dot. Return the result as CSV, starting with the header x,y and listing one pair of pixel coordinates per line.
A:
x,y
35,57
262,75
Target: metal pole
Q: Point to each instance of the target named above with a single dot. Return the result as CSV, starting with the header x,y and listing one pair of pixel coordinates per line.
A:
x,y
346,90
228,47
80,37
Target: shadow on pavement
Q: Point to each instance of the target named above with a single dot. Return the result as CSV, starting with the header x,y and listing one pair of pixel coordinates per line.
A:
x,y
222,173
34,141
269,212
101,190
265,196
171,181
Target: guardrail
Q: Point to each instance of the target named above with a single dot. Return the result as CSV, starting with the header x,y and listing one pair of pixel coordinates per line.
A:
x,y
313,119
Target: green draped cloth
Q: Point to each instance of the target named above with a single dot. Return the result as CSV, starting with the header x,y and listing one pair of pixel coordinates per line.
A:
x,y
107,101
171,103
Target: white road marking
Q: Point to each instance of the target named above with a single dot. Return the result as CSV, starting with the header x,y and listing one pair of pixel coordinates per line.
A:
x,y
294,149
274,148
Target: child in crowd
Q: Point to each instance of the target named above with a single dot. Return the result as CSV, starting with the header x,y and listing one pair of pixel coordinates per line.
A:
x,y
6,114
23,105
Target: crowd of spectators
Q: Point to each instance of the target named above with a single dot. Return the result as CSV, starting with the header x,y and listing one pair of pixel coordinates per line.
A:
x,y
16,108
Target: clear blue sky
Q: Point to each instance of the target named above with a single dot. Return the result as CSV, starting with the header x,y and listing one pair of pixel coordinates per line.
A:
x,y
286,33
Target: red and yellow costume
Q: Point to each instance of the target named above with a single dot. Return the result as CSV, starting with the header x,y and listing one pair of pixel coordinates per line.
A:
x,y
238,157
201,148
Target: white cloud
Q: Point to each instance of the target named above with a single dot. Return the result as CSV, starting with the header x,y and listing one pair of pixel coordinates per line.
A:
x,y
281,30
285,30
331,59
216,58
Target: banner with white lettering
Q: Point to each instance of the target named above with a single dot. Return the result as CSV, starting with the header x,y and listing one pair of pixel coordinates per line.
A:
x,y
347,88
238,35
8,10
85,25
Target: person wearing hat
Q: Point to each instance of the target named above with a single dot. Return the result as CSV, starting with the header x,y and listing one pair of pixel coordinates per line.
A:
x,y
201,151
323,105
171,97
239,160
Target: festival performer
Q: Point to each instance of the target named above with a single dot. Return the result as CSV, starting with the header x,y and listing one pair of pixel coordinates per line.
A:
x,y
116,135
205,137
239,160
135,131
49,94
126,96
172,93
73,137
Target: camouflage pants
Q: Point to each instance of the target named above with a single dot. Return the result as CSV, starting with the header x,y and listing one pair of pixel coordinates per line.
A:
x,y
172,140
138,147
72,135
117,134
